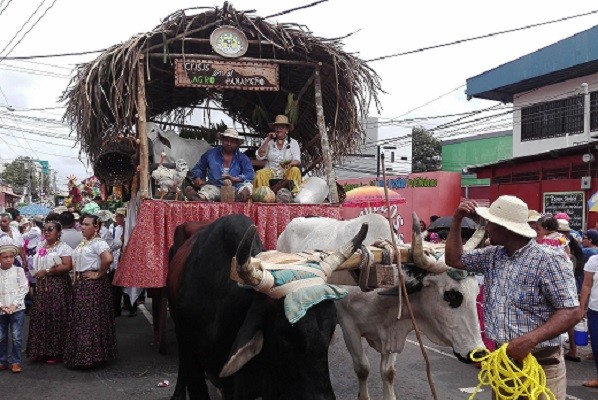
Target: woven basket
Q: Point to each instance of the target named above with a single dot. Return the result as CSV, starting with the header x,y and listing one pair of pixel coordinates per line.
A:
x,y
117,161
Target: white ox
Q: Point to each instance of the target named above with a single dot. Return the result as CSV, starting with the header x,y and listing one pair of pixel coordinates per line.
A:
x,y
175,146
444,303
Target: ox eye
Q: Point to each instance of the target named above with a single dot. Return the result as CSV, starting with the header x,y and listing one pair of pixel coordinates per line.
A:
x,y
453,297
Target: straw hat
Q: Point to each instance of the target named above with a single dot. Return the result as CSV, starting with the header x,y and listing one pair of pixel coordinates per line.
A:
x,y
121,211
510,212
231,133
60,209
533,216
281,120
563,225
7,246
104,215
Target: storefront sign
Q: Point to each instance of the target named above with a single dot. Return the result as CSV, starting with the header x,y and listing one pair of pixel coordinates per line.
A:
x,y
571,203
240,75
393,183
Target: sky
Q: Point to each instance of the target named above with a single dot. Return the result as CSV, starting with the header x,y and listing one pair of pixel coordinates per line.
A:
x,y
420,85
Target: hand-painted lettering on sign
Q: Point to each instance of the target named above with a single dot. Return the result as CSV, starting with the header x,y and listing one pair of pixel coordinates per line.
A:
x,y
240,75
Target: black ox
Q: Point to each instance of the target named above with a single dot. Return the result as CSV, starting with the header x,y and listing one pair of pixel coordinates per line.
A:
x,y
220,325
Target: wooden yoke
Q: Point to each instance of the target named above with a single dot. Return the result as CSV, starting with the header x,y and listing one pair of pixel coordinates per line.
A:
x,y
352,262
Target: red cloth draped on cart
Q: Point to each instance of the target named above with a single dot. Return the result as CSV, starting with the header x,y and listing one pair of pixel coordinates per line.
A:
x,y
144,263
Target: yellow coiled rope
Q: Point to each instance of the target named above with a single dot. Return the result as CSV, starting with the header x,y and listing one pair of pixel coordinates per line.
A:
x,y
506,378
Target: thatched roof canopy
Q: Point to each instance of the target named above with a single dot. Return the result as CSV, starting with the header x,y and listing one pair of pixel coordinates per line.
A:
x,y
102,97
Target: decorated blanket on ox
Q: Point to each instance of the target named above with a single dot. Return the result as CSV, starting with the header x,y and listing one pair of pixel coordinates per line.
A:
x,y
301,278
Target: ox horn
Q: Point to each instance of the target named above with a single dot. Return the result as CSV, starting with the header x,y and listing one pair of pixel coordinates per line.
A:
x,y
340,256
247,273
420,259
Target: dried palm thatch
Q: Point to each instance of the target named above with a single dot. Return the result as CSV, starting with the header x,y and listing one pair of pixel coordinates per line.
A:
x,y
102,97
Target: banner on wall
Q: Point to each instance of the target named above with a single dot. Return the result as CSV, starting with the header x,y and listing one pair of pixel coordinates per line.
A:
x,y
426,193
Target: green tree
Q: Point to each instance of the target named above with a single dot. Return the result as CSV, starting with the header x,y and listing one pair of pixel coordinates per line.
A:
x,y
426,151
15,175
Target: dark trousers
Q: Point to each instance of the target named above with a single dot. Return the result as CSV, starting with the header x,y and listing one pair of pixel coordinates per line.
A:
x,y
117,294
593,331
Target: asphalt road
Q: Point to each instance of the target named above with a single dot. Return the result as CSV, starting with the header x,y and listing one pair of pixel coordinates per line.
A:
x,y
140,368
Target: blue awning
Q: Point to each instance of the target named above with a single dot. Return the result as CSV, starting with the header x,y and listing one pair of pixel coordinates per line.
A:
x,y
569,58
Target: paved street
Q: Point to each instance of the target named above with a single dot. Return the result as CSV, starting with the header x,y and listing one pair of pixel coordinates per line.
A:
x,y
139,368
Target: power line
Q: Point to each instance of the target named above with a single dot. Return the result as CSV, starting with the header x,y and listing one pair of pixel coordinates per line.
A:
x,y
483,36
29,30
81,53
4,9
295,9
22,27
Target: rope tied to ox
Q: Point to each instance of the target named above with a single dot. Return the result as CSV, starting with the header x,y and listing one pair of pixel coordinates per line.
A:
x,y
507,378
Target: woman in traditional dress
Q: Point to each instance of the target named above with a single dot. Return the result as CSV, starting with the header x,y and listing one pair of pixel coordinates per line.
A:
x,y
91,337
50,312
548,235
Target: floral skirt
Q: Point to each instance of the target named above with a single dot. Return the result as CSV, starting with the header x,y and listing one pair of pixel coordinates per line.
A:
x,y
49,317
91,336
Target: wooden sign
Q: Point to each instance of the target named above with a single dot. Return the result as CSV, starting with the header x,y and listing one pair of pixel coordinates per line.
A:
x,y
240,75
571,203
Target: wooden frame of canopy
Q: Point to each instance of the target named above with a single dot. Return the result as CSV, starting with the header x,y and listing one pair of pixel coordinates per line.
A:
x,y
323,135
325,91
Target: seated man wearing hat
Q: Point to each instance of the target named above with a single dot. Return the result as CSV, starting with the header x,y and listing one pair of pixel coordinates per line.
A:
x,y
529,289
224,162
282,154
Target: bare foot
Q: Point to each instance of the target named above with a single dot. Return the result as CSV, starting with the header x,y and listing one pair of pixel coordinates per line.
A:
x,y
591,384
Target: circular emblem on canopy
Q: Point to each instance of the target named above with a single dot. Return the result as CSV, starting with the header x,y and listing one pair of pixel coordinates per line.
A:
x,y
228,41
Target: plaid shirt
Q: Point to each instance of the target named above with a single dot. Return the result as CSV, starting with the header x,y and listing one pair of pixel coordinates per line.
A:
x,y
523,291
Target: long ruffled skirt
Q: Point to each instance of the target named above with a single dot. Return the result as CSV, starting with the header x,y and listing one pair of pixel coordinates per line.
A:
x,y
91,337
49,317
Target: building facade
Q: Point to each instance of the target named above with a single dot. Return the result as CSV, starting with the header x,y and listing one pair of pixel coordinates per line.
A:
x,y
554,92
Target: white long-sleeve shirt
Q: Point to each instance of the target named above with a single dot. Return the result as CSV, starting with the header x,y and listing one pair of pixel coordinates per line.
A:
x,y
13,288
290,152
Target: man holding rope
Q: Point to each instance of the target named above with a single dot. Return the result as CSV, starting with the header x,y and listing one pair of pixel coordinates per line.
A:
x,y
529,289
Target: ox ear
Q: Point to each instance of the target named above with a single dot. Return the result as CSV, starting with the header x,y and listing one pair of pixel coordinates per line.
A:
x,y
249,340
163,140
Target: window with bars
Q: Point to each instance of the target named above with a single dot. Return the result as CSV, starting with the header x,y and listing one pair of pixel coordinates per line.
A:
x,y
594,111
552,119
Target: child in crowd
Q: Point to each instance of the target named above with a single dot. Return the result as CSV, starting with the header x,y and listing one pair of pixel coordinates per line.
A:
x,y
13,288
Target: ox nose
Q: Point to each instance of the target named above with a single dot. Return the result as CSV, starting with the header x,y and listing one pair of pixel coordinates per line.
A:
x,y
467,360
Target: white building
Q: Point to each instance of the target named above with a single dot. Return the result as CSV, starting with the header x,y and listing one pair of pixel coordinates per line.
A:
x,y
545,88
397,153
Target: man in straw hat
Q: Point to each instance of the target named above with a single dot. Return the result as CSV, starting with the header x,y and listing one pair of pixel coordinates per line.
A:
x,y
220,164
12,305
530,296
282,154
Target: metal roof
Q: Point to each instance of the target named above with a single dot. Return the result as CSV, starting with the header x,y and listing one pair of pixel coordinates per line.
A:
x,y
566,59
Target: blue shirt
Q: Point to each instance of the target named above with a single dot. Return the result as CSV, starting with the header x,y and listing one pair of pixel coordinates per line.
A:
x,y
523,291
211,164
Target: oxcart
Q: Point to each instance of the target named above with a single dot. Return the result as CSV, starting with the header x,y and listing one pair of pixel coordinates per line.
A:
x,y
224,59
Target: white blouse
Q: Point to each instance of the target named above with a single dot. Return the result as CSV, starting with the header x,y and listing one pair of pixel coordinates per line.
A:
x,y
86,257
13,288
274,155
46,260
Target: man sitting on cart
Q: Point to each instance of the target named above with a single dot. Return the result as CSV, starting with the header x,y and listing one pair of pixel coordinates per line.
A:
x,y
282,154
224,162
